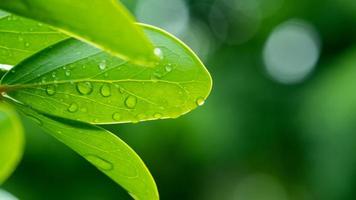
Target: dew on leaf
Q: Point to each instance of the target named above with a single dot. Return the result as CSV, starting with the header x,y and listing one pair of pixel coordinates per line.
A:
x,y
116,116
168,67
100,162
51,90
200,101
157,115
27,44
158,52
73,107
84,87
102,65
105,90
67,72
130,102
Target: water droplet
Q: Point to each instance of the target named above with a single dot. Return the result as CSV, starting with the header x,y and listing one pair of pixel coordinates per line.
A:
x,y
157,115
27,44
105,90
84,88
102,65
67,73
131,101
54,74
121,90
200,101
73,108
116,116
99,162
20,38
141,116
168,68
40,24
51,90
158,52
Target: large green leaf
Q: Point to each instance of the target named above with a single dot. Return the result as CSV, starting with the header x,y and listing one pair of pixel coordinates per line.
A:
x,y
104,150
74,80
104,23
11,141
20,38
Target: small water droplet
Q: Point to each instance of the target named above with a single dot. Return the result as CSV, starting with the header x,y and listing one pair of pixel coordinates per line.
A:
x,y
200,101
102,65
105,90
54,74
73,108
168,68
158,52
20,38
27,44
116,116
51,90
84,88
99,162
157,115
67,73
131,101
39,24
121,90
141,116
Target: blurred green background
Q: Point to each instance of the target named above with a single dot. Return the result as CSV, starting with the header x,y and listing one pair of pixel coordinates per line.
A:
x,y
280,123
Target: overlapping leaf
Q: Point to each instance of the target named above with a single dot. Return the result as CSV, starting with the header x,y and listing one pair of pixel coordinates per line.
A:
x,y
103,23
103,149
20,38
74,80
12,141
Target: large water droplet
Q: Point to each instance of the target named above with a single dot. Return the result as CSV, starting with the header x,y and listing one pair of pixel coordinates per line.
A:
x,y
116,116
105,90
84,88
99,162
51,90
200,101
73,107
131,101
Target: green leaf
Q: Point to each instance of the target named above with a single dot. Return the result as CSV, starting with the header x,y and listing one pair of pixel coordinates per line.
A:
x,y
104,150
11,141
20,38
76,81
103,23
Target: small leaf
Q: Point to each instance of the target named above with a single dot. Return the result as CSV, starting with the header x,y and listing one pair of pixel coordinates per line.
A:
x,y
103,23
76,81
20,38
104,150
11,141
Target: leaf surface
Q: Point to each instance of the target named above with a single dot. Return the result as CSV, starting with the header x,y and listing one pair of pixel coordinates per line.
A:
x,y
21,38
103,149
74,80
11,141
104,23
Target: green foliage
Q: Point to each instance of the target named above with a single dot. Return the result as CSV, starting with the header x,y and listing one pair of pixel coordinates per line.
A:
x,y
20,38
82,79
64,84
103,149
106,24
12,139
